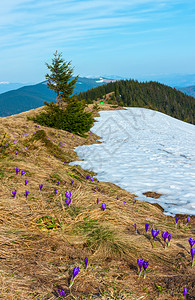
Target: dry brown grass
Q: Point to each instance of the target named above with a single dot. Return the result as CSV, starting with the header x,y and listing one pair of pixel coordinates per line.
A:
x,y
41,240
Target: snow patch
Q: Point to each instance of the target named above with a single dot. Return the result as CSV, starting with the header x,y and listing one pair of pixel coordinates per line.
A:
x,y
144,150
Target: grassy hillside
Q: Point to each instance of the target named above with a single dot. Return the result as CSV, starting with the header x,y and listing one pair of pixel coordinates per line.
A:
x,y
33,96
42,239
151,95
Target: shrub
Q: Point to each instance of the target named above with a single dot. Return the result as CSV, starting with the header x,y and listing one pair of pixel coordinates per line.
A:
x,y
73,118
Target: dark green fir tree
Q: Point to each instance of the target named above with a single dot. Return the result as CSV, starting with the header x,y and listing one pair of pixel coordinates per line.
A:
x,y
60,78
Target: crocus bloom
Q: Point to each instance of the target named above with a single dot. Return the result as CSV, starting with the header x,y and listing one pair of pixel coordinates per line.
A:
x,y
146,227
116,198
165,235
169,239
58,183
16,153
188,219
191,242
192,253
55,191
65,181
87,177
61,292
185,290
97,200
135,227
26,193
14,193
145,265
91,178
155,232
75,273
40,186
176,220
86,262
22,172
26,181
68,194
68,201
135,201
72,182
103,206
140,264
17,170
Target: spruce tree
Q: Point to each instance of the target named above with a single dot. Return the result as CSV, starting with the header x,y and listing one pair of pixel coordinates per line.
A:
x,y
60,78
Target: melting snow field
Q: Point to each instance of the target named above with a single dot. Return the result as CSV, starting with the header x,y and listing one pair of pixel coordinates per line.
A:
x,y
143,150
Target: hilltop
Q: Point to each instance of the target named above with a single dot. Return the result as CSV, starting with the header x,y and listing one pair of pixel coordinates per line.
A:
x,y
42,240
151,95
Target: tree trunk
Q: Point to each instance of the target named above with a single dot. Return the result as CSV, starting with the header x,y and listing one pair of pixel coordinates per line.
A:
x,y
58,98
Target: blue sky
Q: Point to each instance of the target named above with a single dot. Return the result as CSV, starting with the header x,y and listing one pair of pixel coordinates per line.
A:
x,y
130,38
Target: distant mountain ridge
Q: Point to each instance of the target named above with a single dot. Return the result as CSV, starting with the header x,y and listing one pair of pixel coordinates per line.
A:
x,y
8,86
190,90
33,96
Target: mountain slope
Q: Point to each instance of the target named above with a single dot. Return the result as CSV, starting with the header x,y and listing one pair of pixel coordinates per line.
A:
x,y
149,95
8,86
190,90
42,239
33,96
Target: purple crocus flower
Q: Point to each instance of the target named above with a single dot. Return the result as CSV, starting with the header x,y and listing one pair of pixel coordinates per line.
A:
x,y
185,290
145,265
116,198
169,239
26,193
91,178
87,177
135,201
72,182
140,264
68,201
147,227
191,242
58,183
65,181
17,170
188,219
192,253
26,181
103,206
176,220
155,232
68,194
97,200
86,262
40,186
16,152
74,274
14,193
61,292
135,226
22,172
55,191
165,235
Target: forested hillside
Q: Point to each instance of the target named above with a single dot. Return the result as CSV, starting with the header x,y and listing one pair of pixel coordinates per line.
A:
x,y
146,94
33,96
